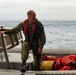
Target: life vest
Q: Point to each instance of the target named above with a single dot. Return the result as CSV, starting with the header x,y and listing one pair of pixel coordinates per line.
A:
x,y
65,63
35,27
61,63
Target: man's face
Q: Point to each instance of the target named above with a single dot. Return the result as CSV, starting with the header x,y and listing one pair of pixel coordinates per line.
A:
x,y
31,17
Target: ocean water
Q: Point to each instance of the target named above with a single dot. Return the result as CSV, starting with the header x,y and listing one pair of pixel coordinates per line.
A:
x,y
59,34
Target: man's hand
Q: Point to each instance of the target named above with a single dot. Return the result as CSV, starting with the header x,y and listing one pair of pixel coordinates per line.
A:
x,y
7,32
1,32
39,50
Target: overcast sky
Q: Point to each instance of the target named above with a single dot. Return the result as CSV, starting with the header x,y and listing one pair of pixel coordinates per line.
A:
x,y
45,9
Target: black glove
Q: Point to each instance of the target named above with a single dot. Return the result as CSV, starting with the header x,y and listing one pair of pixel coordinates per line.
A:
x,y
8,32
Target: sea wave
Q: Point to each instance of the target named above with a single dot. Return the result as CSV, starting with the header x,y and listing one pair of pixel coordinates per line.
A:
x,y
58,33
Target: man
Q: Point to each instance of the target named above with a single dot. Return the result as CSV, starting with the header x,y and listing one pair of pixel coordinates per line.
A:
x,y
34,39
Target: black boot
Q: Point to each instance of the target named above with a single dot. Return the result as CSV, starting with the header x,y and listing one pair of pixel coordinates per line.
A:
x,y
23,67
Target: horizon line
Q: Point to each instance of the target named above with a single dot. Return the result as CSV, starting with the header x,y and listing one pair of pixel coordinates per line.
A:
x,y
39,19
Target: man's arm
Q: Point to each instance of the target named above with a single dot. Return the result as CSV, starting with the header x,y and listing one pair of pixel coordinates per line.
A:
x,y
16,29
42,39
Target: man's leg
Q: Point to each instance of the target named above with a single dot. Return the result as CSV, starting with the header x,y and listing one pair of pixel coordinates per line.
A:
x,y
24,55
37,58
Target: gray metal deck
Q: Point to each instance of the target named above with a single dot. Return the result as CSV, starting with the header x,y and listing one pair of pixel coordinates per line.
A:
x,y
15,61
9,72
16,72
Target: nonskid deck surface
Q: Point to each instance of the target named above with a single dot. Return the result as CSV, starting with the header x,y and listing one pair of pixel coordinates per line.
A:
x,y
9,72
17,72
71,72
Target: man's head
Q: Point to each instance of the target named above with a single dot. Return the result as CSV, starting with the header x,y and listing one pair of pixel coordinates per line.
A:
x,y
31,15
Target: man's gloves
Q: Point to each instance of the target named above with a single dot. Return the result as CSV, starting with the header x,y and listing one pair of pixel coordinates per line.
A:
x,y
39,50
